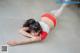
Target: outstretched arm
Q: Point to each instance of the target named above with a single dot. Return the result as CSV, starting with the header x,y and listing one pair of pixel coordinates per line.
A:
x,y
32,38
23,41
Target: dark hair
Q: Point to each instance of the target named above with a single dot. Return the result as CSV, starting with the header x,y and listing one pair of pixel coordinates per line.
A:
x,y
33,25
29,22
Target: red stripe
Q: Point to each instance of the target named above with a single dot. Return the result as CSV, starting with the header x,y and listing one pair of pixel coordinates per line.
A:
x,y
51,17
43,35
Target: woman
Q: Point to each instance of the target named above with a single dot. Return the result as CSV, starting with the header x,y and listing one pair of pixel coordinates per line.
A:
x,y
35,30
38,30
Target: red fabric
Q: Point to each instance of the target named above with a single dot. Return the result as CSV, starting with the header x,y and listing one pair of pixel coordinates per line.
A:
x,y
51,17
43,35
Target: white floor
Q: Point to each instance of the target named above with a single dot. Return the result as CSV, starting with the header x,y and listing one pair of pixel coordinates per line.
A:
x,y
64,39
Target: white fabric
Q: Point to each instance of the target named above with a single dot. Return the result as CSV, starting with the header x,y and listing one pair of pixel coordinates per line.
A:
x,y
44,26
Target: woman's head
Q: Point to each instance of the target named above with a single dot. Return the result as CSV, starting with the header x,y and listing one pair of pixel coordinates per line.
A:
x,y
29,22
33,25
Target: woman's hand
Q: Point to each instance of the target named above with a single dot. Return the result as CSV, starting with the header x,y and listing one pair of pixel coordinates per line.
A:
x,y
32,34
12,42
23,32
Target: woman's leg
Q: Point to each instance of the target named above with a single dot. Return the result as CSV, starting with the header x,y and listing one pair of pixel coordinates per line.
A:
x,y
23,41
58,12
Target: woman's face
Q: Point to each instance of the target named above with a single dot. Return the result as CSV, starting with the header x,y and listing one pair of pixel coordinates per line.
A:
x,y
35,33
32,32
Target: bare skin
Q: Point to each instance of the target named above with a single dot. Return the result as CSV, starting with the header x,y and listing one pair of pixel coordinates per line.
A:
x,y
25,41
33,36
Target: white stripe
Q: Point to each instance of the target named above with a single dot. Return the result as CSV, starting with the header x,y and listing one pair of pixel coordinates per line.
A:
x,y
44,26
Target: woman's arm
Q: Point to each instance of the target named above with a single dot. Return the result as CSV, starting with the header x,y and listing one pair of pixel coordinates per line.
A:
x,y
23,32
24,41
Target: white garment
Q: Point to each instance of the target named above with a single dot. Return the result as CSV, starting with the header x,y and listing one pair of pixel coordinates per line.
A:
x,y
44,26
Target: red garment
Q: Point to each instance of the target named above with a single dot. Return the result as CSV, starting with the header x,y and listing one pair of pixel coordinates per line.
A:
x,y
51,17
43,35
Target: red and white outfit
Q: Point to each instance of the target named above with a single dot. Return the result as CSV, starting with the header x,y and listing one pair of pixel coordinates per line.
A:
x,y
45,27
